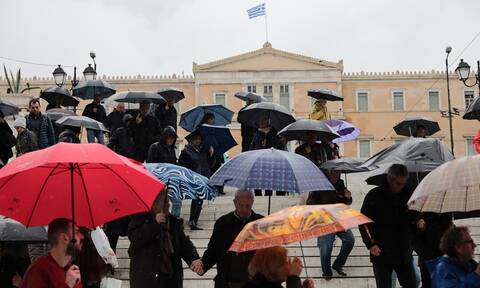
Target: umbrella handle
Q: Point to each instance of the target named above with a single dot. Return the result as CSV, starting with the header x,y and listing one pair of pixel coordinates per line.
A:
x,y
71,245
304,262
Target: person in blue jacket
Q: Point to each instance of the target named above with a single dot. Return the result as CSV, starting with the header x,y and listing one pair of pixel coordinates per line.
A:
x,y
457,267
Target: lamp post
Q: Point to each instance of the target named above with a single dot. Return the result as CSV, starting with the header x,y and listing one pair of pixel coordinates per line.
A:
x,y
452,145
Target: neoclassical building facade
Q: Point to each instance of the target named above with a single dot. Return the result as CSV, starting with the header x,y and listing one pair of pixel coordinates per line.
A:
x,y
374,102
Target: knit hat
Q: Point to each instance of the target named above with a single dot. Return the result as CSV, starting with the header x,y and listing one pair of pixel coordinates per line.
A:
x,y
20,122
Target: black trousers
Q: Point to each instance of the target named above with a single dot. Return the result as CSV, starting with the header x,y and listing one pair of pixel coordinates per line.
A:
x,y
258,192
195,209
405,274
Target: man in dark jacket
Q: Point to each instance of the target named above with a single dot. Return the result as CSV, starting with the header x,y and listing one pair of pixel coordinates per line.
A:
x,y
201,160
167,114
95,111
122,138
318,153
247,132
389,237
157,246
232,268
163,151
325,243
7,140
146,131
40,125
114,120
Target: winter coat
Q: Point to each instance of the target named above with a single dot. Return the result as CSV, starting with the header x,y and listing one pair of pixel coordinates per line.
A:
x,y
231,266
144,135
259,281
330,197
197,160
7,141
43,129
26,142
391,229
68,136
100,115
247,133
446,272
166,117
427,243
319,153
114,120
161,153
263,140
319,113
122,142
145,234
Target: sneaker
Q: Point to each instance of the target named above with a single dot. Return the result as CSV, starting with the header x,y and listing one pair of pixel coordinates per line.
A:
x,y
327,277
195,227
339,271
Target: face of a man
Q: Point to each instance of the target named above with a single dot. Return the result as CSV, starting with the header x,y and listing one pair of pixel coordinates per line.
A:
x,y
396,183
196,140
421,132
96,100
34,108
19,130
466,250
170,140
144,108
243,205
170,101
121,107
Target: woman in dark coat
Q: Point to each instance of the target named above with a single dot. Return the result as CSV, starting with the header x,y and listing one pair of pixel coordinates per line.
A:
x,y
270,267
157,246
7,140
122,138
163,151
201,160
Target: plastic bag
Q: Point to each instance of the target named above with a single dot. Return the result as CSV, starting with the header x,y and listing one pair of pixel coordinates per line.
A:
x,y
109,282
102,245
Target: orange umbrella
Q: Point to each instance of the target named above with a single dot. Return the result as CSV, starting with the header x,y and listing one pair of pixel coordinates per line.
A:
x,y
297,223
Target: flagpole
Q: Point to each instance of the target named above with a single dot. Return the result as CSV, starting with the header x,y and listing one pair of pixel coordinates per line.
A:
x,y
266,26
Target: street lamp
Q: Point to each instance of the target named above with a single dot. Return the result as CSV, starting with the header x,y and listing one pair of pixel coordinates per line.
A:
x,y
463,73
448,50
59,76
89,73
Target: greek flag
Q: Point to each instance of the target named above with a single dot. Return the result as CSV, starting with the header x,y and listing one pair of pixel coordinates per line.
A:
x,y
256,11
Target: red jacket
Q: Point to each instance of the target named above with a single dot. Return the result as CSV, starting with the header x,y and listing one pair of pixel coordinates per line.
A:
x,y
476,142
46,273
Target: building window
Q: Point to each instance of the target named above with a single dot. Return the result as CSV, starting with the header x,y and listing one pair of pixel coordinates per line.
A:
x,y
470,147
468,95
268,92
221,98
434,100
362,101
364,148
398,101
285,96
252,88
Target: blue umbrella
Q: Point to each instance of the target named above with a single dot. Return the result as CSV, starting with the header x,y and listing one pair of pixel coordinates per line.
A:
x,y
271,169
92,88
346,130
219,137
192,118
183,183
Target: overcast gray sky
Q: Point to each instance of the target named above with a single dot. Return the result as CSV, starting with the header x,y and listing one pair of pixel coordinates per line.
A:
x,y
151,37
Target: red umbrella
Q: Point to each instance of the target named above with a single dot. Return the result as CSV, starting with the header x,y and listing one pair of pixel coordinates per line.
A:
x,y
85,182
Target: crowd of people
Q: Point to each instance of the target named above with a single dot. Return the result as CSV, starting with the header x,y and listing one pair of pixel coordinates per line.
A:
x,y
158,242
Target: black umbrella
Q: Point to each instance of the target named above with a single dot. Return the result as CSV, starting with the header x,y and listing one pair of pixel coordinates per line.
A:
x,y
81,121
255,98
298,130
138,97
169,92
11,230
92,88
345,165
8,108
409,125
326,94
58,95
57,113
473,110
278,115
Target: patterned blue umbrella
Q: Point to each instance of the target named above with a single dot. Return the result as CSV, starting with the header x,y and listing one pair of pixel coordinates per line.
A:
x,y
192,118
183,183
271,169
